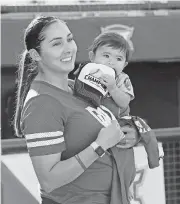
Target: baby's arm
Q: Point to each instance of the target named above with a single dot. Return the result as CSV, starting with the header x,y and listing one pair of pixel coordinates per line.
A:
x,y
121,98
123,92
121,89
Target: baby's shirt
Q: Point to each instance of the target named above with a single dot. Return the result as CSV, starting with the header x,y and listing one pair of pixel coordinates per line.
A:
x,y
123,82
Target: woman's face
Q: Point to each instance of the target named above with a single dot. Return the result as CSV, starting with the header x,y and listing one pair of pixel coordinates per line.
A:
x,y
58,49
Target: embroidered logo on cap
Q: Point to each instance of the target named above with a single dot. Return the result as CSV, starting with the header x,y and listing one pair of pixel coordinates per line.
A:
x,y
86,77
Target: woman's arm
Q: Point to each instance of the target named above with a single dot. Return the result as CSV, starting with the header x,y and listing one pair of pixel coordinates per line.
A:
x,y
45,142
43,123
53,173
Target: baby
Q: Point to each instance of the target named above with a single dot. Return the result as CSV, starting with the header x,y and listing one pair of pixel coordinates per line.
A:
x,y
113,50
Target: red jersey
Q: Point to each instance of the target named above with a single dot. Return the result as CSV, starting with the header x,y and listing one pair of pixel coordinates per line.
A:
x,y
55,121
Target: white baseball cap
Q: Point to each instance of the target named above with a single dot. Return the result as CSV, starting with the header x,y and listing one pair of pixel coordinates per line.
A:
x,y
91,73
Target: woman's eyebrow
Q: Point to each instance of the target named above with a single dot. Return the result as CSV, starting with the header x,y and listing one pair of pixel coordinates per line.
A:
x,y
60,38
57,38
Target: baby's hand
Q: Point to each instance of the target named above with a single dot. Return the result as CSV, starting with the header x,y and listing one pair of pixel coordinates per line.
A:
x,y
109,81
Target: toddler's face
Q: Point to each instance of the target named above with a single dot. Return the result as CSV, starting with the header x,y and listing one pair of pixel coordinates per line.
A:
x,y
110,57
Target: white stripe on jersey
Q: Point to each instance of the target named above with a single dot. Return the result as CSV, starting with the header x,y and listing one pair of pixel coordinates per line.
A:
x,y
45,143
43,135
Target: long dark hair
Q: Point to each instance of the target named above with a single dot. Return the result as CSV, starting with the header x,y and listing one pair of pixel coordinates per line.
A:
x,y
28,68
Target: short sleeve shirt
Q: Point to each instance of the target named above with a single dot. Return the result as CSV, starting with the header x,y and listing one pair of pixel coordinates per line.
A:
x,y
124,84
55,121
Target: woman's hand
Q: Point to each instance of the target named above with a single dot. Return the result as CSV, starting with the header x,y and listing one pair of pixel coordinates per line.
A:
x,y
130,139
129,131
110,136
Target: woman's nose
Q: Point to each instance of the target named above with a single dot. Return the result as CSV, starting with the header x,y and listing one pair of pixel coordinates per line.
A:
x,y
67,51
67,47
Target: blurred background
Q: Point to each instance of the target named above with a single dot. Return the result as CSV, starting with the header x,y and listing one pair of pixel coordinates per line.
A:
x,y
154,68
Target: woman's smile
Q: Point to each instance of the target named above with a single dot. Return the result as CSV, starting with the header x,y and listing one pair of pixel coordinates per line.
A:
x,y
66,59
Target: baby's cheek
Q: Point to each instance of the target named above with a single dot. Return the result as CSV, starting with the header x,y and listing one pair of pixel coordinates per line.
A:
x,y
99,60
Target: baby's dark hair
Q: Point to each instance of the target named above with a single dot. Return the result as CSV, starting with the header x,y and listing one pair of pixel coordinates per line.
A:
x,y
113,40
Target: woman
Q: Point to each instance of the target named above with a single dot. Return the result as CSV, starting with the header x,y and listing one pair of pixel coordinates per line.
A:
x,y
67,138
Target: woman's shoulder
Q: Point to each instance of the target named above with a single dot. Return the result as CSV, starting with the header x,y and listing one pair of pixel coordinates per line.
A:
x,y
43,94
36,101
43,109
42,98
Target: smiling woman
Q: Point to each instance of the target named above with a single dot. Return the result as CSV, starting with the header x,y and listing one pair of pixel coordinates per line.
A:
x,y
47,42
48,115
63,135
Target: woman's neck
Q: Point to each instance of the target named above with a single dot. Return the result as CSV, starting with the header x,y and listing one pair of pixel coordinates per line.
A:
x,y
60,81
